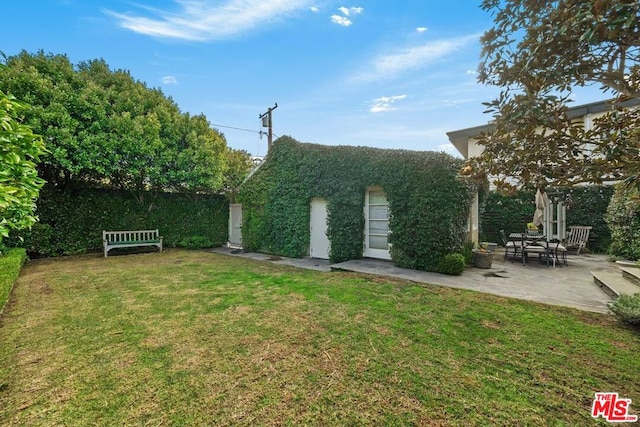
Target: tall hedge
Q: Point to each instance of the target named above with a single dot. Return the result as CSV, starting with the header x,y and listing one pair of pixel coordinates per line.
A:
x,y
623,217
11,261
429,206
501,212
588,206
585,206
71,221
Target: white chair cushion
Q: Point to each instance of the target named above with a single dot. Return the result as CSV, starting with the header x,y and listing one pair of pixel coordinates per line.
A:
x,y
535,249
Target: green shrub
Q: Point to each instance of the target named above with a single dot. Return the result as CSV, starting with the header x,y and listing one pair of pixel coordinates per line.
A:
x,y
623,217
452,264
467,252
196,242
11,261
627,308
501,212
39,240
588,206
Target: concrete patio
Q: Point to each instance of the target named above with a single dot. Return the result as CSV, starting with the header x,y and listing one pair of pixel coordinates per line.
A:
x,y
571,286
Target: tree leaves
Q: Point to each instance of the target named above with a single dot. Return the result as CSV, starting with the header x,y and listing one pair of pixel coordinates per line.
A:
x,y
103,128
19,182
538,51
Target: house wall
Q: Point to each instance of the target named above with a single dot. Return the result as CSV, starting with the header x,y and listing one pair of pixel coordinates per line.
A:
x,y
473,149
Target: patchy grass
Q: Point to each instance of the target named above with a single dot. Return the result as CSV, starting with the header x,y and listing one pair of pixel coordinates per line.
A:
x,y
194,338
11,261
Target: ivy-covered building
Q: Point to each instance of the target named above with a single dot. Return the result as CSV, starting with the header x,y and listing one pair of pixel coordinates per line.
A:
x,y
341,203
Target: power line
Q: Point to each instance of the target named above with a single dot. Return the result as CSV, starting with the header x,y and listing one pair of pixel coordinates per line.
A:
x,y
236,128
259,132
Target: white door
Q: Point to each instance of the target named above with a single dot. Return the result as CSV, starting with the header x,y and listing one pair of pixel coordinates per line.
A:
x,y
376,224
235,225
319,242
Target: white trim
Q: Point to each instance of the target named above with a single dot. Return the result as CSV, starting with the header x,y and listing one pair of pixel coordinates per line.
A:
x,y
235,226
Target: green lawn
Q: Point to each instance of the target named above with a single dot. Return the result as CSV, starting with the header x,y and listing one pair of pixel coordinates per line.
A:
x,y
194,338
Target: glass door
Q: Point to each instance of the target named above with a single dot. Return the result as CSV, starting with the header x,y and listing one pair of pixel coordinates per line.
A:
x,y
376,224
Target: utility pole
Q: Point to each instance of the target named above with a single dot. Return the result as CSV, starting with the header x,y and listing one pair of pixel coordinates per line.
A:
x,y
268,123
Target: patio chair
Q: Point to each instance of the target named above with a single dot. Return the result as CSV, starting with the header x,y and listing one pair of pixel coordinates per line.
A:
x,y
578,237
539,248
511,248
557,251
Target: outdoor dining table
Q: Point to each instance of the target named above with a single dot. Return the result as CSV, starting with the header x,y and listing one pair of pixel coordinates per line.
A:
x,y
527,239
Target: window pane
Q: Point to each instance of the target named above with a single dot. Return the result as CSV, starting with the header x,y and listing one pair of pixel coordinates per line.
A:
x,y
378,242
378,212
378,227
377,197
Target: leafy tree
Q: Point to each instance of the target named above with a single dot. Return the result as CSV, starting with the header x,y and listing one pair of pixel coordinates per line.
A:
x,y
239,164
537,52
49,85
104,128
19,182
201,159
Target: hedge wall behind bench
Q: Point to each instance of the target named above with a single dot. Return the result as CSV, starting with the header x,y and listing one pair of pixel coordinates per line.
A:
x,y
429,206
71,222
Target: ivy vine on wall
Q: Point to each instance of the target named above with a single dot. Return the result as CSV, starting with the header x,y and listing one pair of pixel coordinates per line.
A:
x,y
429,205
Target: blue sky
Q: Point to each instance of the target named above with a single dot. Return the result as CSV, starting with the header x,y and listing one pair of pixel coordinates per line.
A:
x,y
389,74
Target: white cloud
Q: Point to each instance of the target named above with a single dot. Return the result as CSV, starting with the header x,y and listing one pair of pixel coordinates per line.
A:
x,y
393,132
385,103
412,58
341,20
169,80
346,11
472,72
202,20
421,29
448,148
314,9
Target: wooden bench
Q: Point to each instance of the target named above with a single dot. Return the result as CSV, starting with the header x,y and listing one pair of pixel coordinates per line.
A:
x,y
578,237
127,239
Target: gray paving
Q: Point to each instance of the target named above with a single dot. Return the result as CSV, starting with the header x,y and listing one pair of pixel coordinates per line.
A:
x,y
614,284
307,263
570,286
632,274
